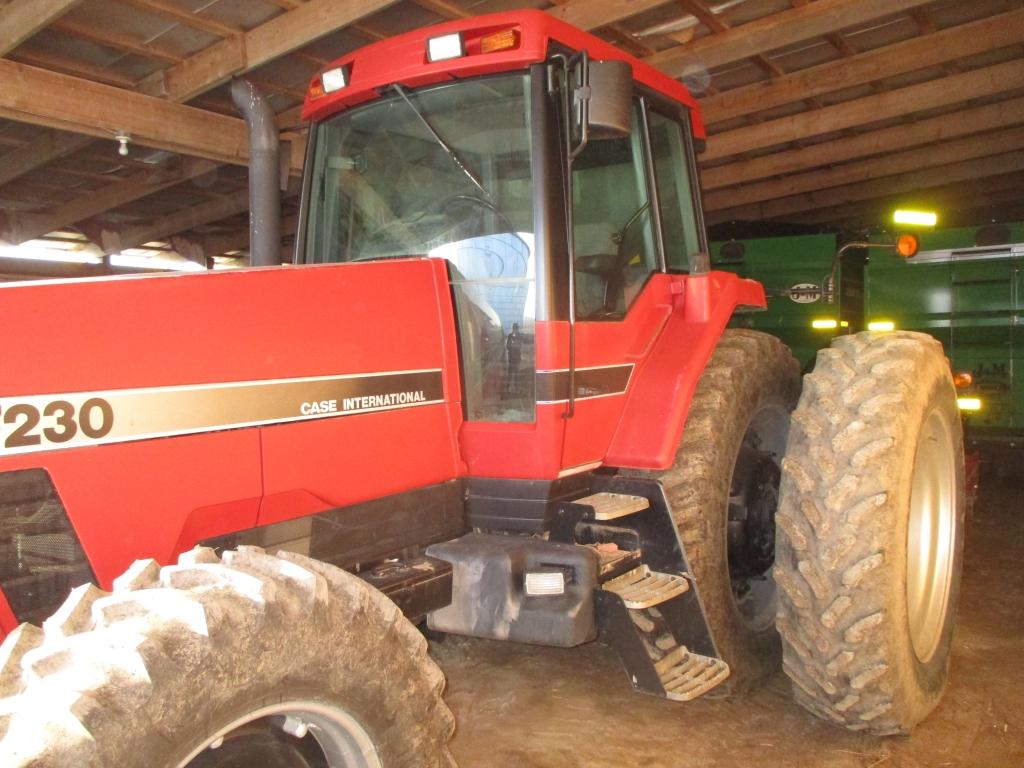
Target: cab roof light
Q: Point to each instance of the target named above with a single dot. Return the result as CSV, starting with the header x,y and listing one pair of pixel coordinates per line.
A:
x,y
915,218
881,325
824,323
445,47
969,403
334,79
504,40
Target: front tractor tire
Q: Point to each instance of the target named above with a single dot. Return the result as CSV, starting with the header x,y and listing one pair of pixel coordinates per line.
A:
x,y
242,660
723,489
870,539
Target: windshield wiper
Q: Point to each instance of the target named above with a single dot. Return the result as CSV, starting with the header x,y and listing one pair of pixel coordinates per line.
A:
x,y
441,142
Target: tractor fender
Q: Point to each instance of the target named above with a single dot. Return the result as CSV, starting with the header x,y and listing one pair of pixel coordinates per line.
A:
x,y
658,402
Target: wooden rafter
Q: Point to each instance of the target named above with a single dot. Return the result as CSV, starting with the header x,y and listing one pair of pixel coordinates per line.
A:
x,y
20,19
987,81
917,53
775,31
989,117
906,182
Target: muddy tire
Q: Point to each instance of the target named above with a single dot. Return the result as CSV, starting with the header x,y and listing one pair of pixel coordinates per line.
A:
x,y
871,532
177,658
742,402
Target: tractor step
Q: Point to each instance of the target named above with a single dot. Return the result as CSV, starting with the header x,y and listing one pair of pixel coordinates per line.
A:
x,y
612,506
686,675
643,588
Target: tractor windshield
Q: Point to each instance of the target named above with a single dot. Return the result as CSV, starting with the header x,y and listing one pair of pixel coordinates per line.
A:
x,y
443,172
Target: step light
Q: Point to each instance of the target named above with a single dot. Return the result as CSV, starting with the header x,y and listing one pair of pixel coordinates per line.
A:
x,y
445,47
546,582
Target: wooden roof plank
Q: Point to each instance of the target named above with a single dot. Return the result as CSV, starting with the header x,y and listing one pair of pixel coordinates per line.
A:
x,y
973,120
887,185
20,19
775,31
593,14
981,145
235,55
986,81
918,53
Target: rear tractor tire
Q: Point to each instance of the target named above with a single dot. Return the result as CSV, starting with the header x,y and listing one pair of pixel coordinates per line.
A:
x,y
870,539
249,659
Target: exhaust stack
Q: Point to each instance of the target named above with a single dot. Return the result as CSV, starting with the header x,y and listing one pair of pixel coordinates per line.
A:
x,y
264,174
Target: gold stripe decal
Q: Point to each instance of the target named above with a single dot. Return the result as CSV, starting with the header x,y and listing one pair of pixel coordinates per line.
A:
x,y
48,422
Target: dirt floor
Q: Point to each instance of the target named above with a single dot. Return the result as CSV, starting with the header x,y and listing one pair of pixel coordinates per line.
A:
x,y
525,707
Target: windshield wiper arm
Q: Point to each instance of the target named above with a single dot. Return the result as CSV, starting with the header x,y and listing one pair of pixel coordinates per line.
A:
x,y
441,142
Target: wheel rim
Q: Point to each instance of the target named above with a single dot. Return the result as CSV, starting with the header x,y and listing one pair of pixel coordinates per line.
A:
x,y
931,536
314,734
753,499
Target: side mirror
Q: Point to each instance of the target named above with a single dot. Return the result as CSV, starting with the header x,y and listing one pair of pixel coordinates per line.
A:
x,y
611,99
601,99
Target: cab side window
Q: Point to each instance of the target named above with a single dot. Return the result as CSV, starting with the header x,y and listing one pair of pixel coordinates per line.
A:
x,y
679,223
613,225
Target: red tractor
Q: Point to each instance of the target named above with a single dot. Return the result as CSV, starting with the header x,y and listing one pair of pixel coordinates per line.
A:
x,y
496,394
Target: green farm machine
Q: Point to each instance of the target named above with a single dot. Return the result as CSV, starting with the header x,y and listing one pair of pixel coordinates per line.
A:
x,y
963,286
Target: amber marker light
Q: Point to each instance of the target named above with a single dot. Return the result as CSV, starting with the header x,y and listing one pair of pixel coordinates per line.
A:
x,y
963,379
505,40
907,245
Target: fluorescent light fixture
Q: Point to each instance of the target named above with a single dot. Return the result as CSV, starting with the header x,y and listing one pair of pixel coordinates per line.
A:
x,y
334,79
915,218
445,47
969,403
822,324
881,325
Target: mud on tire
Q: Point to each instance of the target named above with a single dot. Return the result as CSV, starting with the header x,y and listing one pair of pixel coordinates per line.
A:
x,y
157,670
875,457
751,377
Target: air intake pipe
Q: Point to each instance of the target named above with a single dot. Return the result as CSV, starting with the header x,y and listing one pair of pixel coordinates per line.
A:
x,y
264,174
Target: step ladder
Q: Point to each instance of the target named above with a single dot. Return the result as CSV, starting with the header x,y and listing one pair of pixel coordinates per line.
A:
x,y
648,606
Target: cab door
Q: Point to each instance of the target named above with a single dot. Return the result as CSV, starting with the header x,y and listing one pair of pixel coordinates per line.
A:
x,y
634,221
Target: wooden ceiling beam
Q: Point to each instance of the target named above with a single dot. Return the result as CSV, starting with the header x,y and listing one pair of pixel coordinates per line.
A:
x,y
45,147
38,96
1000,114
114,240
21,19
21,228
115,41
945,91
941,197
169,10
593,14
888,185
891,60
775,31
236,55
981,145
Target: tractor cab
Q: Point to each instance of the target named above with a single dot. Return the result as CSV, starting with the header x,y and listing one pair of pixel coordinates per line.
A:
x,y
556,179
